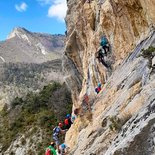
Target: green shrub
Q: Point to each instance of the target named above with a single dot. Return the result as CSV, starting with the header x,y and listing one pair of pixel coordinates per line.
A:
x,y
17,101
40,110
148,52
115,123
23,141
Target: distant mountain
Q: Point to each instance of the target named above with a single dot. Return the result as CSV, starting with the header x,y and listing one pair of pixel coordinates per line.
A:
x,y
28,47
28,62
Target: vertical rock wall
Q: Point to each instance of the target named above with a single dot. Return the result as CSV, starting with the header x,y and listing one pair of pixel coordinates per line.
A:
x,y
126,23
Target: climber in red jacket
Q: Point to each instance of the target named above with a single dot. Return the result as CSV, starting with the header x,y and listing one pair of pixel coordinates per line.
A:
x,y
68,121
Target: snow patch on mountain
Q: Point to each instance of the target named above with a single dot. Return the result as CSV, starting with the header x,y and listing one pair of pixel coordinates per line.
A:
x,y
19,33
2,59
42,48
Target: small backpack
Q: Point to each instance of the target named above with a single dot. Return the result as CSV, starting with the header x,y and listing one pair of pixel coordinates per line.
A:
x,y
48,152
104,41
99,89
66,121
96,90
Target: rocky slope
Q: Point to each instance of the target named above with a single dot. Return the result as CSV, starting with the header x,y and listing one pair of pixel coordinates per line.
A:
x,y
25,46
122,118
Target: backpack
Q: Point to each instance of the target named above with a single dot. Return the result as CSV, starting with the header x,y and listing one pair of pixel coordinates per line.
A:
x,y
102,52
66,121
104,41
99,89
96,90
48,152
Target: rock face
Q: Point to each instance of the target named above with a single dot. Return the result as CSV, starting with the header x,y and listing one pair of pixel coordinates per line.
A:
x,y
122,118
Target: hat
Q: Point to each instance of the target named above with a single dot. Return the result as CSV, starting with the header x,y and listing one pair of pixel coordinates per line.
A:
x,y
73,117
99,84
63,146
60,124
68,116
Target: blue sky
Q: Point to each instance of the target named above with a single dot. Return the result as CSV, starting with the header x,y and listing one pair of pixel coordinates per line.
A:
x,y
35,15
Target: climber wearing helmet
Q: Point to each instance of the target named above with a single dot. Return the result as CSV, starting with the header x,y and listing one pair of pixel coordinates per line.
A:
x,y
98,88
51,149
56,131
99,85
68,121
63,149
68,115
85,102
73,118
104,44
103,50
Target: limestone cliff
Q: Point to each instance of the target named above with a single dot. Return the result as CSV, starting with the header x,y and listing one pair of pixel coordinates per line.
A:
x,y
122,118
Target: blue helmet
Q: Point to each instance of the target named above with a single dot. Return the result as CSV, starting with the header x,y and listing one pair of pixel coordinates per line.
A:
x,y
99,84
68,116
73,117
63,146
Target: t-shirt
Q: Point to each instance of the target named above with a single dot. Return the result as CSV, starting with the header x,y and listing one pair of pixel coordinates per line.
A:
x,y
53,151
56,131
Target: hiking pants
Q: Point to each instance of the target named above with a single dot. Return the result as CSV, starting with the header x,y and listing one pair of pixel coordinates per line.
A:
x,y
106,49
56,139
103,62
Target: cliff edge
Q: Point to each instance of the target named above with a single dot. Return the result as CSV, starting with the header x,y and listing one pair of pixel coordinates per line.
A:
x,y
122,116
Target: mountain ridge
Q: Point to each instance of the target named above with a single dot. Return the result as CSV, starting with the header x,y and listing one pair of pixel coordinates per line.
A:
x,y
25,46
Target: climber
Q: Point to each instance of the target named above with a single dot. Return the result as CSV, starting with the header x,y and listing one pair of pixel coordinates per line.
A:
x,y
86,101
101,53
63,149
99,85
56,131
104,44
73,118
51,149
77,111
68,121
98,88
